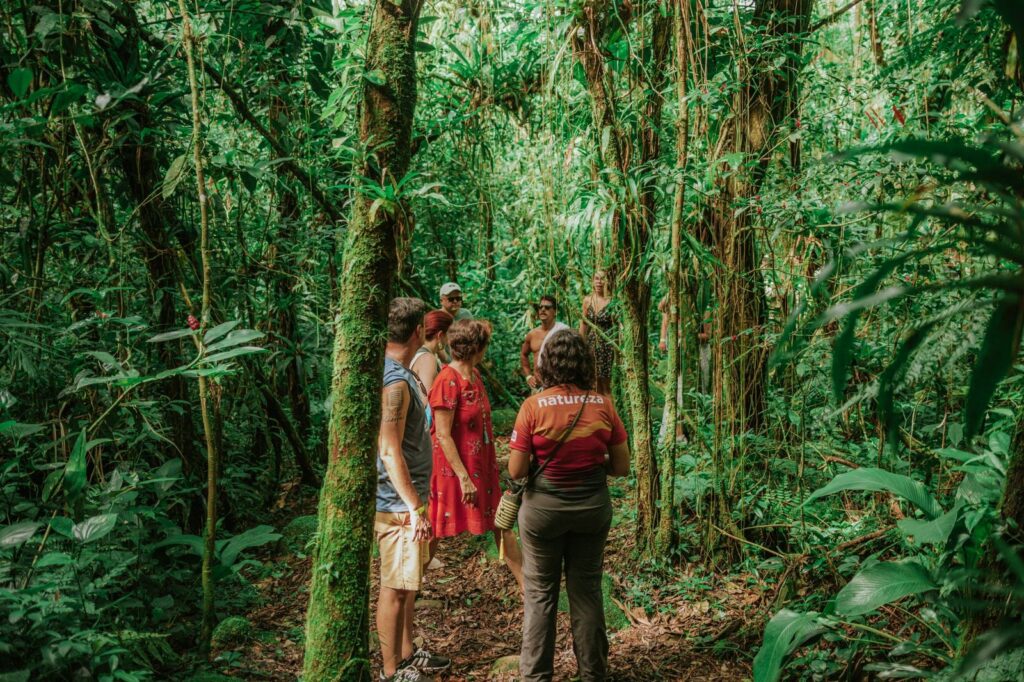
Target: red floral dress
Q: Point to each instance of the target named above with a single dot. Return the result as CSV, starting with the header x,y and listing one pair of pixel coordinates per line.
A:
x,y
474,439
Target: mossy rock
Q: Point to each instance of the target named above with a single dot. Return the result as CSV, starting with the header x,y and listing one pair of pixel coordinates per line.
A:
x,y
506,665
503,420
297,534
614,618
231,632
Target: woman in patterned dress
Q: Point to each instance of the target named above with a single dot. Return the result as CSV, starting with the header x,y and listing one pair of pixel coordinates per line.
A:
x,y
465,488
597,327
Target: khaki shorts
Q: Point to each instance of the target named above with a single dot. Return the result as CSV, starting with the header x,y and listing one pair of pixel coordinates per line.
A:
x,y
401,558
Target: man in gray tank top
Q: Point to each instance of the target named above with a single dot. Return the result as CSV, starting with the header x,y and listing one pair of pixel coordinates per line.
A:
x,y
402,525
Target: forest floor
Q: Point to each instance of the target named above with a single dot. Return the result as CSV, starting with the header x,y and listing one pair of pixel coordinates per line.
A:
x,y
685,624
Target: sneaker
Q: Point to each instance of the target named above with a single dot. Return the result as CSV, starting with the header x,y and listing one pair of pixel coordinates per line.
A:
x,y
426,662
406,674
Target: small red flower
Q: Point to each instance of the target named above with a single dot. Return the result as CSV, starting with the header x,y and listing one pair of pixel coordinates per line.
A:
x,y
193,323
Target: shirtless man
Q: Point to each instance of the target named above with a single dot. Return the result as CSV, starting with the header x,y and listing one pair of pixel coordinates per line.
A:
x,y
535,338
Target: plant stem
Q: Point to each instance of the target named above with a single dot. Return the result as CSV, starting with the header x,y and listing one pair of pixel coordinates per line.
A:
x,y
212,461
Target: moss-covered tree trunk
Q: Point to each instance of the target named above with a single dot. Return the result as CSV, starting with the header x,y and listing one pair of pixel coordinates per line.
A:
x,y
338,618
627,154
666,538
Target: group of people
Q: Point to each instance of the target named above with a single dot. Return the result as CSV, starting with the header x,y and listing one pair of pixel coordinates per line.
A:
x,y
438,475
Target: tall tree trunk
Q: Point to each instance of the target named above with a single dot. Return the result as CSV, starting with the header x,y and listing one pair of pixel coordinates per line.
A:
x,y
765,98
209,393
666,538
337,621
876,41
633,227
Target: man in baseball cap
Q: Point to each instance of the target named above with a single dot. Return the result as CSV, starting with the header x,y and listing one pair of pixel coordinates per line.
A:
x,y
451,301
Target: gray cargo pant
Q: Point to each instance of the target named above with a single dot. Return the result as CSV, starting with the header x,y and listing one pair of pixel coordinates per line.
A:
x,y
554,533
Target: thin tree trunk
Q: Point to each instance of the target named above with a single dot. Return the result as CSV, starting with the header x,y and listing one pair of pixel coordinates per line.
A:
x,y
876,41
207,400
666,537
337,621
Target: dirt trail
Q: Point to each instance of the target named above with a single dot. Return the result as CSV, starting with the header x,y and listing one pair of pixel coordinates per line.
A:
x,y
470,611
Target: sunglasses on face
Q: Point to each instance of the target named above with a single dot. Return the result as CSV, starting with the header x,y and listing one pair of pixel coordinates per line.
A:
x,y
455,299
544,306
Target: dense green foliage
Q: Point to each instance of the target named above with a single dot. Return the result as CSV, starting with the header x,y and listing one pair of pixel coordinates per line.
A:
x,y
852,236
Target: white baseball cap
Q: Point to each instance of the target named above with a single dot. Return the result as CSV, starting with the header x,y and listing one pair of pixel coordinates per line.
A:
x,y
449,287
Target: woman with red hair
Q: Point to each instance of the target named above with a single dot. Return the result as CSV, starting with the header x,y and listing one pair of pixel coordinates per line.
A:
x,y
427,362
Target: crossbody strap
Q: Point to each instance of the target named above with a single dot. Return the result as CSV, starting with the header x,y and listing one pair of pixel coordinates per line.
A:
x,y
561,441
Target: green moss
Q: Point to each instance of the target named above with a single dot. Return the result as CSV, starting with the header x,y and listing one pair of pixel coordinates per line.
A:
x,y
338,620
231,632
614,618
296,535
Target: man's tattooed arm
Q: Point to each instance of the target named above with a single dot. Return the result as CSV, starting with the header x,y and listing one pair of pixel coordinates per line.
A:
x,y
394,398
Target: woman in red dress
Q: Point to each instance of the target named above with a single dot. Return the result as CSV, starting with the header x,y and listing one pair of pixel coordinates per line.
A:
x,y
465,486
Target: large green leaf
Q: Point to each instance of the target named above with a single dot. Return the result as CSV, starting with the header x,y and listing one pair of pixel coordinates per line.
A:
x,y
879,481
932,532
15,429
18,533
233,353
95,528
254,537
219,331
20,80
235,338
998,350
785,632
170,336
193,542
882,584
75,470
175,173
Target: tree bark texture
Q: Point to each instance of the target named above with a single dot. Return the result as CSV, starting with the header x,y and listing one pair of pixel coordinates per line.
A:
x,y
337,621
634,224
209,393
765,98
666,536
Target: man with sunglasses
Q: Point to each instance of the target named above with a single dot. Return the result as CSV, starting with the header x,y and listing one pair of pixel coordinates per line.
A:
x,y
536,338
451,301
